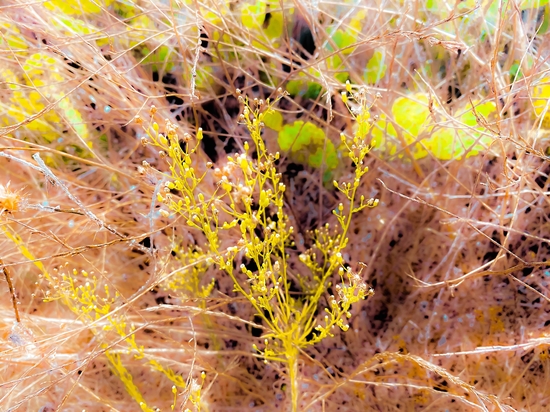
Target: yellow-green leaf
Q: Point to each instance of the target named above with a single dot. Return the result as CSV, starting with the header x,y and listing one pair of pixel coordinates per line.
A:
x,y
376,69
411,113
453,143
72,7
308,144
253,15
12,35
274,29
274,120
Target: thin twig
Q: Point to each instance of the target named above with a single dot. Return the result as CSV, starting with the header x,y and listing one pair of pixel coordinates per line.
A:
x,y
53,178
12,291
54,209
24,162
49,174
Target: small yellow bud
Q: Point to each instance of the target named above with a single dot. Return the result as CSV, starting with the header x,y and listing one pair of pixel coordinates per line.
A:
x,y
264,199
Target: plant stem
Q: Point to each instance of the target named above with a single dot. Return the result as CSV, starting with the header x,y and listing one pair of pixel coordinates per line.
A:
x,y
12,291
292,361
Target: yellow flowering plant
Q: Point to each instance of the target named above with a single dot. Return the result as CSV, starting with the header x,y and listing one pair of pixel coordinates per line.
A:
x,y
248,205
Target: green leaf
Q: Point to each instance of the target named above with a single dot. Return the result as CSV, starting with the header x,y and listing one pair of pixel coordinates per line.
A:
x,y
444,144
253,15
491,17
533,4
294,87
274,29
204,77
484,109
334,63
515,71
298,135
304,88
343,41
380,130
159,59
327,153
274,120
376,69
545,22
451,143
77,7
72,25
431,5
11,34
308,144
411,114
313,90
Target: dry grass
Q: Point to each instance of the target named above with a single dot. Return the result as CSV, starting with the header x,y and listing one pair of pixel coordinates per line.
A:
x,y
456,251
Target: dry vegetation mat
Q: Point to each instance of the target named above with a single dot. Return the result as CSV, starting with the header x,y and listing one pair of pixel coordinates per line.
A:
x,y
274,205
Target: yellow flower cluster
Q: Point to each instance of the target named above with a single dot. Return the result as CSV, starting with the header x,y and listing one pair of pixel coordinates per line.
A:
x,y
247,212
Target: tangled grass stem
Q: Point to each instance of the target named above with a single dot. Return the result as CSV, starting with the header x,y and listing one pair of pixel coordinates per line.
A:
x,y
12,291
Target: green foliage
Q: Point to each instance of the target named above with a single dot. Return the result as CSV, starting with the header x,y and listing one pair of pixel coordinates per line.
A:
x,y
376,69
253,15
515,71
275,27
412,114
305,88
453,143
42,77
72,27
338,67
274,120
11,36
466,135
76,8
158,59
541,97
343,40
308,144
